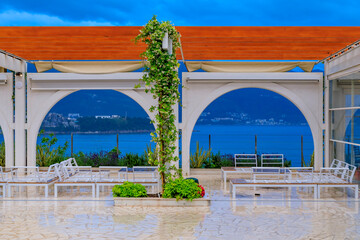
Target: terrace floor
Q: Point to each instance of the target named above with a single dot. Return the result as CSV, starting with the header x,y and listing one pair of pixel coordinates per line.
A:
x,y
275,214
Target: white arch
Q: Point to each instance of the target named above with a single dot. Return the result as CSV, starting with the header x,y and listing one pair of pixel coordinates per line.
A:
x,y
291,96
49,99
41,105
193,109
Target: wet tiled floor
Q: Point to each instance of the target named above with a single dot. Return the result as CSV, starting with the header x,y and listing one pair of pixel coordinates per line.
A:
x,y
275,214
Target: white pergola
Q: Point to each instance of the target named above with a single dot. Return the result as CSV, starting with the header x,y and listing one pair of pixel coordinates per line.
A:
x,y
36,94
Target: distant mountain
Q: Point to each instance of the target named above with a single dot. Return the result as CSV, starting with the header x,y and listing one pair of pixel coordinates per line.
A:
x,y
256,103
99,102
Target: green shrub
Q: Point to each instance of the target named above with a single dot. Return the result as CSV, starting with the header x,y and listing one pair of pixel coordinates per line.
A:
x,y
112,158
2,154
217,161
129,189
133,159
198,158
47,154
151,155
311,162
182,189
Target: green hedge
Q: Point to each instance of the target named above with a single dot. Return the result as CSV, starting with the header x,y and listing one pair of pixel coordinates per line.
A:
x,y
181,188
129,189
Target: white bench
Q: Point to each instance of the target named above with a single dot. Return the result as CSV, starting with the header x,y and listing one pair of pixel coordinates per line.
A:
x,y
30,176
241,183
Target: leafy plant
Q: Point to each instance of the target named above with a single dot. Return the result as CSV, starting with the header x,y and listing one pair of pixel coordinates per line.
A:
x,y
311,162
287,163
2,154
131,159
162,81
198,158
151,155
102,158
47,154
181,188
112,158
129,189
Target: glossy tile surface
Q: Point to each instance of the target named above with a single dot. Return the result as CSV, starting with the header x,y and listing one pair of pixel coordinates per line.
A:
x,y
268,216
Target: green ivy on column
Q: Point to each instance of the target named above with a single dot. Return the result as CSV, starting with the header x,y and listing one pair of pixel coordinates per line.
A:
x,y
162,81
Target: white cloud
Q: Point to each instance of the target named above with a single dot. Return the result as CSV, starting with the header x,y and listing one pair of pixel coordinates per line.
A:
x,y
15,18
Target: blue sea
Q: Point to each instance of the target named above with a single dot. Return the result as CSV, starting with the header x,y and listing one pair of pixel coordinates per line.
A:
x,y
226,139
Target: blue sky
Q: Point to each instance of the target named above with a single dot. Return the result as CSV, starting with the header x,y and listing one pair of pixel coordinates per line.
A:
x,y
180,12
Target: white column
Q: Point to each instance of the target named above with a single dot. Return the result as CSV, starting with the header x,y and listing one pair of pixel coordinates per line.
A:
x,y
9,149
327,117
31,147
176,111
185,138
185,152
20,145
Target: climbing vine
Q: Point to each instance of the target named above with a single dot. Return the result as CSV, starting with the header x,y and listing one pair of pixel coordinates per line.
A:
x,y
162,81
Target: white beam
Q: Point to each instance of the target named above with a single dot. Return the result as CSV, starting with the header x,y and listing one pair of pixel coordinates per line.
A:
x,y
74,81
253,77
345,64
12,63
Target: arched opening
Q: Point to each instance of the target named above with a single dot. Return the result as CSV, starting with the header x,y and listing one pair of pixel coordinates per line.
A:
x,y
253,119
97,122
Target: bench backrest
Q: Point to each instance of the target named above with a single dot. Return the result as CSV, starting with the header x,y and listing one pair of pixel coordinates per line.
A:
x,y
272,159
245,159
108,171
343,170
52,173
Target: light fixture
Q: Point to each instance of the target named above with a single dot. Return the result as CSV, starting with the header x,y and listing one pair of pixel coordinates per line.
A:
x,y
19,74
167,43
18,84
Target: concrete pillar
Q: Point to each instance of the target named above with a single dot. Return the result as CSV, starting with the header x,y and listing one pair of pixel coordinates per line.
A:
x,y
327,152
185,152
20,101
9,149
176,111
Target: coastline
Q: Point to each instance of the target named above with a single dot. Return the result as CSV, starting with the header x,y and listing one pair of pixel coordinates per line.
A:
x,y
100,132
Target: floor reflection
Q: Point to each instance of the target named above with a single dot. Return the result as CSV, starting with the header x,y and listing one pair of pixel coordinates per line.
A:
x,y
275,214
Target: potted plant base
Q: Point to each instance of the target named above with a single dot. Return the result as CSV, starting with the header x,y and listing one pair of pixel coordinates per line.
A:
x,y
177,193
160,202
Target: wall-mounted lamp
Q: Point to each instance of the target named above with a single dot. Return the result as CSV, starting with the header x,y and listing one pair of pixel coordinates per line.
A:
x,y
19,74
167,43
18,84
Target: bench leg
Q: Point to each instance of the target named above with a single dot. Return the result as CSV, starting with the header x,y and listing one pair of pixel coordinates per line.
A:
x,y
9,191
55,190
315,192
357,192
97,191
93,190
46,191
318,191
